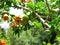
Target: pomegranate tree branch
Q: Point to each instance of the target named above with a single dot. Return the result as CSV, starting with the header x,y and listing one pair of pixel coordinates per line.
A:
x,y
42,20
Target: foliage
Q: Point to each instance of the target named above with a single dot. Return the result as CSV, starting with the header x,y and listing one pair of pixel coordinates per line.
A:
x,y
21,26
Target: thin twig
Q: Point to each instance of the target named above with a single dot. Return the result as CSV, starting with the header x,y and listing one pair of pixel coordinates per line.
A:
x,y
21,7
47,5
43,21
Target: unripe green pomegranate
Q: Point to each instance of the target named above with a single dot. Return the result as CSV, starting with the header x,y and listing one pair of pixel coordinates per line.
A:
x,y
24,20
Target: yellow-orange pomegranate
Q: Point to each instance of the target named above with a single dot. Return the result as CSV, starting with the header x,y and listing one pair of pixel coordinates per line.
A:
x,y
2,42
13,25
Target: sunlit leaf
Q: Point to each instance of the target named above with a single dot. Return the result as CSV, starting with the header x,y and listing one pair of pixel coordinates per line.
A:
x,y
31,5
46,11
40,5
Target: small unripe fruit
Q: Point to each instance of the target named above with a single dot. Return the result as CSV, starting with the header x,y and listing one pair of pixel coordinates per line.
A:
x,y
24,20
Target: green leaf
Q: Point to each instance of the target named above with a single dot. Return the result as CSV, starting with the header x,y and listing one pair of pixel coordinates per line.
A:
x,y
37,24
40,5
58,2
48,44
8,3
55,21
6,7
51,1
58,27
31,5
31,16
58,38
44,43
46,11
